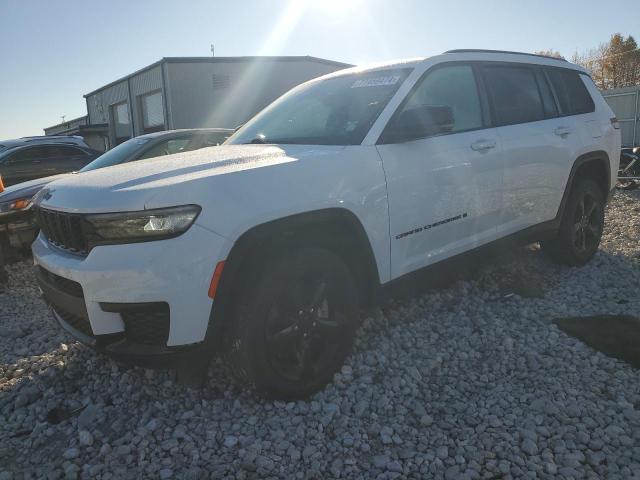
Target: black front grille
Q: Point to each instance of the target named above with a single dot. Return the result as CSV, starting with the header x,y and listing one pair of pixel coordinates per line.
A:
x,y
62,229
148,325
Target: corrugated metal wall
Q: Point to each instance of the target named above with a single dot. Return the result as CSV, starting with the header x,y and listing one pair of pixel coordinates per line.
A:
x,y
228,93
625,102
203,93
141,84
100,102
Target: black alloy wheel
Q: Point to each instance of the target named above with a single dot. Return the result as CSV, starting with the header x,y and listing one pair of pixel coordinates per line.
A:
x,y
295,324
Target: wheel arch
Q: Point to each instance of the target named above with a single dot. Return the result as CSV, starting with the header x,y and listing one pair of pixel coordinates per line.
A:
x,y
337,229
595,165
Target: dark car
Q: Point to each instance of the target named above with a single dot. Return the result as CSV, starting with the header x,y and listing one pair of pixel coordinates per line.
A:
x,y
29,158
16,219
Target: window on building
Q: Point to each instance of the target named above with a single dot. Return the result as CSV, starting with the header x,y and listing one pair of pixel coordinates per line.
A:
x,y
573,96
152,108
121,122
515,94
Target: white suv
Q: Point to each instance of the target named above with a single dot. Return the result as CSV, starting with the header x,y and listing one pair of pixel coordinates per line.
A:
x,y
265,247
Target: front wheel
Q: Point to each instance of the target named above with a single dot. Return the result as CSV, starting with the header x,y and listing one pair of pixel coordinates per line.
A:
x,y
582,224
295,324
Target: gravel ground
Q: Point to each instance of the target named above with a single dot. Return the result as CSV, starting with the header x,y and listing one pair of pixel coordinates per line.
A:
x,y
463,382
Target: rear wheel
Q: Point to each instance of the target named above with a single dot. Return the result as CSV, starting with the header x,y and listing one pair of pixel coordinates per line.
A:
x,y
581,229
295,325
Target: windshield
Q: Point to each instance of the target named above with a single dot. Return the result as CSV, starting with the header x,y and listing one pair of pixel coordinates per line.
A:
x,y
117,154
336,111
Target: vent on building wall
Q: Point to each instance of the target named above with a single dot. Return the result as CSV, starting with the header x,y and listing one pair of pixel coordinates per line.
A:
x,y
221,81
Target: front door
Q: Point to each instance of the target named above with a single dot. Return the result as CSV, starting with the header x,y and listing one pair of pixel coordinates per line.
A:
x,y
444,190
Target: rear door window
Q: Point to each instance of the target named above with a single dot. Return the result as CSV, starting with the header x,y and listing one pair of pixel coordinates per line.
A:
x,y
515,93
572,94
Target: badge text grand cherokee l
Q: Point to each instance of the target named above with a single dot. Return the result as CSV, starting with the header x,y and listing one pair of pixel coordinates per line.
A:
x,y
264,248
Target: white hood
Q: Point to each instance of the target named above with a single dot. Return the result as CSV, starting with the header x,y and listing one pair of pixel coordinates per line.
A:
x,y
132,186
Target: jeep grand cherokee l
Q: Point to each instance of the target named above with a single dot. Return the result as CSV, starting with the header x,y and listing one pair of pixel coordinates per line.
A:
x,y
265,247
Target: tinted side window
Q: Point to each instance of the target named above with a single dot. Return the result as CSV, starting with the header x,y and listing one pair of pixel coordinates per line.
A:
x,y
169,147
64,151
549,104
19,156
573,96
454,87
515,94
33,153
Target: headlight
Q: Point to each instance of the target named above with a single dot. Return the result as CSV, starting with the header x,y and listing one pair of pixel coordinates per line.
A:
x,y
144,226
15,205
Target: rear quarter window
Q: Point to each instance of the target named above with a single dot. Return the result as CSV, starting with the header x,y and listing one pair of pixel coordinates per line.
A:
x,y
571,92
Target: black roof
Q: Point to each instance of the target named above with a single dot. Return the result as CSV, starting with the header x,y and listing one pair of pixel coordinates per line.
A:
x,y
254,58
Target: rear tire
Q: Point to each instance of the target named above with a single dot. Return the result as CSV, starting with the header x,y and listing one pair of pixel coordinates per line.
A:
x,y
295,325
582,224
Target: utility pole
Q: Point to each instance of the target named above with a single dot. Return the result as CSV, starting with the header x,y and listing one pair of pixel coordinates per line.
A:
x,y
62,117
213,54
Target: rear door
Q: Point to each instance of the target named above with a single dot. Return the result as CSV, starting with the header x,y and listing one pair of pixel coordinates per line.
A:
x,y
535,142
444,190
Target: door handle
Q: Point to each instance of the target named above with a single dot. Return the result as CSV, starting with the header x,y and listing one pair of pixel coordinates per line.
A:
x,y
562,131
481,145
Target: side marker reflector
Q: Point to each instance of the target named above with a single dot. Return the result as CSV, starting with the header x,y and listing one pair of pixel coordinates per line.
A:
x,y
215,280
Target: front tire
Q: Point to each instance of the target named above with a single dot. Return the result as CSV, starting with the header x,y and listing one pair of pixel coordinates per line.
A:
x,y
582,224
295,325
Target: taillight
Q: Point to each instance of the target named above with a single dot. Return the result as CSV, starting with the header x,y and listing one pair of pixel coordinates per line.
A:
x,y
615,123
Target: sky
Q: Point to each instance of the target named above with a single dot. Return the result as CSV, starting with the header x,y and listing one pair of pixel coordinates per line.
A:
x,y
53,52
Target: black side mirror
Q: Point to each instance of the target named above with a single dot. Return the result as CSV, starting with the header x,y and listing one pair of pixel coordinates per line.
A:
x,y
419,122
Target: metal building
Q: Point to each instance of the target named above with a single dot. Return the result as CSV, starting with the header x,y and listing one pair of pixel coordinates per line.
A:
x,y
625,102
192,92
96,136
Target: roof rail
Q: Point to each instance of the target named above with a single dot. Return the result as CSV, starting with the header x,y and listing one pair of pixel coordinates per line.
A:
x,y
479,50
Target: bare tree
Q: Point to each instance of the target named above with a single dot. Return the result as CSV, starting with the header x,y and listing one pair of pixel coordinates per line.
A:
x,y
613,64
549,53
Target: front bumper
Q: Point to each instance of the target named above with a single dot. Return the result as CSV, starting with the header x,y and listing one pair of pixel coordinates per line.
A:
x,y
102,289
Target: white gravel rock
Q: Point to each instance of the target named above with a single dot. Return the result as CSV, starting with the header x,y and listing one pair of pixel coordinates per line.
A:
x,y
468,381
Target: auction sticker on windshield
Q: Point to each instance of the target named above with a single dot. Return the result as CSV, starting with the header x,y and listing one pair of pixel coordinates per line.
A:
x,y
376,82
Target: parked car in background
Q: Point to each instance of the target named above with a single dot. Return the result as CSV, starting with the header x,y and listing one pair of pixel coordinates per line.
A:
x,y
16,218
28,158
265,248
